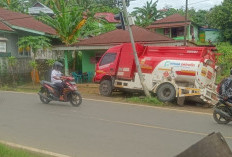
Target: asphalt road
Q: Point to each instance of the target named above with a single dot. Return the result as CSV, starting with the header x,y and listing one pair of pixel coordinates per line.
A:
x,y
102,129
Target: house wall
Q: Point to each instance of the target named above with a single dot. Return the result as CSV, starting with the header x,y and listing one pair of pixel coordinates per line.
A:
x,y
11,43
87,66
12,48
160,31
196,33
213,36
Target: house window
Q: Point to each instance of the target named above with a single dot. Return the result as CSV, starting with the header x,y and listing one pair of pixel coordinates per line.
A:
x,y
25,51
180,31
2,47
166,31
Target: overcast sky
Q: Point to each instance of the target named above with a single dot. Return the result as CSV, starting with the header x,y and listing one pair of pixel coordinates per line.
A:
x,y
197,4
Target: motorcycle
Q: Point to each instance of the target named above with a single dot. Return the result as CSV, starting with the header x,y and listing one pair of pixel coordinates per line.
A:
x,y
49,92
222,113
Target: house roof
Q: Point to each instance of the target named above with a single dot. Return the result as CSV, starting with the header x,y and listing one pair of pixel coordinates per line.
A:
x,y
22,21
120,36
108,16
39,7
174,20
168,25
5,27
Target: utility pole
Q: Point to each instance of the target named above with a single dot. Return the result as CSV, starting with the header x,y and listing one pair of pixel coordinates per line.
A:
x,y
185,24
135,53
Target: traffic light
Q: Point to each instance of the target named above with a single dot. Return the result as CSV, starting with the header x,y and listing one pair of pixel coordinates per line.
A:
x,y
120,17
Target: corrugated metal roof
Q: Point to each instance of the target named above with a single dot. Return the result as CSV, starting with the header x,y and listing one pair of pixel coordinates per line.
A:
x,y
175,20
39,7
171,19
120,36
24,21
108,16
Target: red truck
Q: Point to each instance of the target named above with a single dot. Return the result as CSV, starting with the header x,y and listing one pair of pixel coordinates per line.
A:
x,y
169,72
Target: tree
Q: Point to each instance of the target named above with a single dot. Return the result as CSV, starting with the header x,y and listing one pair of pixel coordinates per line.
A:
x,y
220,17
14,5
68,22
196,16
34,43
147,14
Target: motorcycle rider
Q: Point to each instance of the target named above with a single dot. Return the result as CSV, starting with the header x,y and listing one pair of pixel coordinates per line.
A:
x,y
56,78
226,89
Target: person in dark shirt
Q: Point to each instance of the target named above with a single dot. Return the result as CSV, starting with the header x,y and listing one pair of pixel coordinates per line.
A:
x,y
226,88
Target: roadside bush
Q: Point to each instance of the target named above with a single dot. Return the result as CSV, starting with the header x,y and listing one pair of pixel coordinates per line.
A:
x,y
224,60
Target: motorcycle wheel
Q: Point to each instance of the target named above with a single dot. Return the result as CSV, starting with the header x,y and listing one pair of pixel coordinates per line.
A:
x,y
42,99
220,119
75,99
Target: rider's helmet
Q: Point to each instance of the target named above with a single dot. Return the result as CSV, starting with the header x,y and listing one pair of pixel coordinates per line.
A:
x,y
58,66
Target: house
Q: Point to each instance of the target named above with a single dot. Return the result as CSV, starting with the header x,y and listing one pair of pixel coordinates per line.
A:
x,y
173,27
109,17
39,8
93,48
14,25
209,35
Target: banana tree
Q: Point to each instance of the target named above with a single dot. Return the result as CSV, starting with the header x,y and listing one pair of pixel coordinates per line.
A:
x,y
146,14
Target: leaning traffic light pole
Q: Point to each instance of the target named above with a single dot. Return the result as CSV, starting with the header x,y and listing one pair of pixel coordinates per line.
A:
x,y
134,50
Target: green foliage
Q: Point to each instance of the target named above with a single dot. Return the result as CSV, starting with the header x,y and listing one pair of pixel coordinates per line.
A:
x,y
198,17
66,20
225,59
50,62
221,17
95,27
146,100
14,5
12,61
34,42
33,64
7,151
147,14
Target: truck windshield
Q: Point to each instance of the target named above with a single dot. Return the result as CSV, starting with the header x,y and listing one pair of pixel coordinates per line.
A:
x,y
108,58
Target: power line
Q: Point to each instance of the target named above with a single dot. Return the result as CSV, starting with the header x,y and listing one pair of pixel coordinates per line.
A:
x,y
199,2
194,3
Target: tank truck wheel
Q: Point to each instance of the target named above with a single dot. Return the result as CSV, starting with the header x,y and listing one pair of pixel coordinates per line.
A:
x,y
105,88
166,92
218,118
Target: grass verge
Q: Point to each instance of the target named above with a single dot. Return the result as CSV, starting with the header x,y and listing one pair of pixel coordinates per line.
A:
x,y
153,101
21,89
8,151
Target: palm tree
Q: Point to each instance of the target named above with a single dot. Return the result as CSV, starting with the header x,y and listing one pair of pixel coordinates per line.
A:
x,y
147,14
68,20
